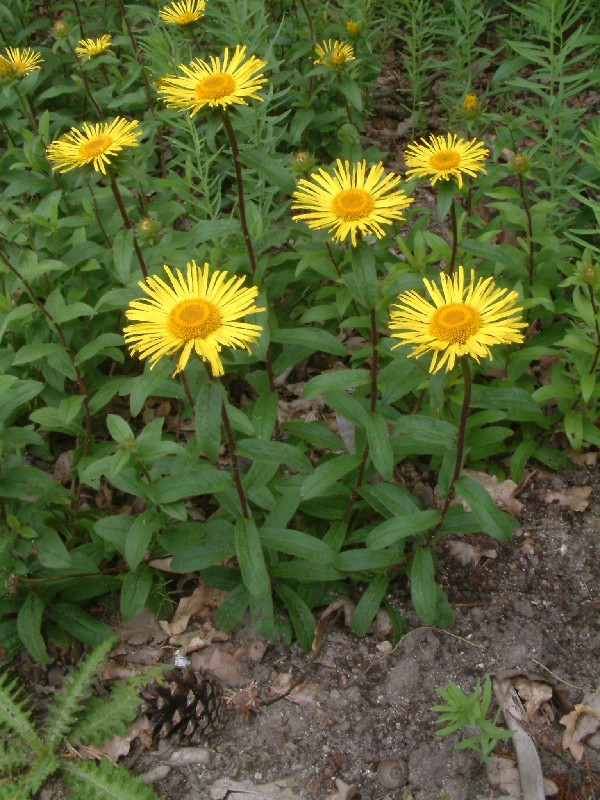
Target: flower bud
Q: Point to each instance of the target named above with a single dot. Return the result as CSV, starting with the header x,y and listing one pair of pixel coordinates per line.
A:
x,y
353,28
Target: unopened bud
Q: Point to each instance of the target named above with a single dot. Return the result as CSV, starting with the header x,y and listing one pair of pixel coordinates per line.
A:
x,y
353,28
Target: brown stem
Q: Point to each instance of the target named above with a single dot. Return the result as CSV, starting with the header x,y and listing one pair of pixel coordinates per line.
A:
x,y
336,266
597,326
128,223
234,461
529,226
86,85
79,17
79,377
138,55
347,107
186,389
240,188
460,446
8,133
454,237
309,20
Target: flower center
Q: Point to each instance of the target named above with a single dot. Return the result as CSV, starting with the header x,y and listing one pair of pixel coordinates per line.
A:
x,y
95,147
213,87
193,319
445,160
337,57
454,323
351,204
186,17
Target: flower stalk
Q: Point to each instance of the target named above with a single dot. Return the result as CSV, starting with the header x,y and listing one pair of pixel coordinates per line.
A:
x,y
127,223
454,224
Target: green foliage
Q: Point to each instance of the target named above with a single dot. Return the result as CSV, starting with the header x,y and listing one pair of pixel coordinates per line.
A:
x,y
468,711
29,753
285,483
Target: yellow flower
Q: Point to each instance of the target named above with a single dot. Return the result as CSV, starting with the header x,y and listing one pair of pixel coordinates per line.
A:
x,y
350,200
334,54
94,144
220,83
93,47
201,313
353,28
183,13
461,321
15,61
471,103
442,159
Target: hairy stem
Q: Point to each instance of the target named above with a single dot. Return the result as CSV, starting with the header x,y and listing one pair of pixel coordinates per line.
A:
x,y
128,223
240,188
454,223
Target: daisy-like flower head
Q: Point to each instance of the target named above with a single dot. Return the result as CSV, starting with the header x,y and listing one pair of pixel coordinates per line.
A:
x,y
221,82
93,145
184,12
15,61
93,47
334,54
353,28
202,312
351,200
442,159
460,321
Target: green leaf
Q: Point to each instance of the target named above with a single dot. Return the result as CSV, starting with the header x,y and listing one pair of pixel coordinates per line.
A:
x,y
251,558
521,455
232,609
204,479
389,499
79,624
574,428
401,527
208,419
122,254
119,430
271,169
274,453
494,522
368,605
33,352
313,339
339,379
423,590
315,433
138,537
361,559
362,279
300,614
380,448
327,474
264,414
134,591
29,627
296,543
105,341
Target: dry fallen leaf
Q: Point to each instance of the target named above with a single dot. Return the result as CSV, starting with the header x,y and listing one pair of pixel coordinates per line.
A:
x,y
202,600
536,695
575,498
343,605
469,554
581,722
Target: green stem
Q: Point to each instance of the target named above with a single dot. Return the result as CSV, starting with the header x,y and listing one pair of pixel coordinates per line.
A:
x,y
127,222
529,226
454,237
78,376
460,446
86,85
309,20
78,12
27,111
137,53
97,213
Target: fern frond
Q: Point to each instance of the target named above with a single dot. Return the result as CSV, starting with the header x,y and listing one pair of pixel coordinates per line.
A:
x,y
104,781
62,714
13,758
104,717
32,781
14,716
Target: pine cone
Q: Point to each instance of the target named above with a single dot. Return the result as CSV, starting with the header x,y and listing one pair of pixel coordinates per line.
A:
x,y
187,706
